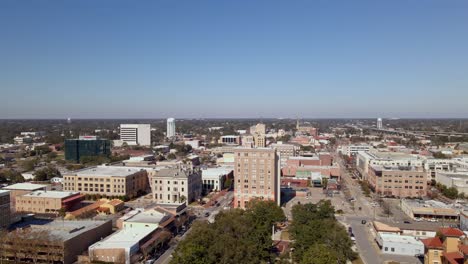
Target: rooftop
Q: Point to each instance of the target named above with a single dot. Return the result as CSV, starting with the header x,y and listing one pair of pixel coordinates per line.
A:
x,y
125,238
107,171
215,172
150,216
173,172
400,239
4,192
451,232
433,242
25,186
51,194
66,230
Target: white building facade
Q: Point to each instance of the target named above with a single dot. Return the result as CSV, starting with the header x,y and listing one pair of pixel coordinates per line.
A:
x,y
136,134
171,130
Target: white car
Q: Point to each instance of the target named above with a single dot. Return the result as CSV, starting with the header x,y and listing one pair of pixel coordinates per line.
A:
x,y
432,220
417,219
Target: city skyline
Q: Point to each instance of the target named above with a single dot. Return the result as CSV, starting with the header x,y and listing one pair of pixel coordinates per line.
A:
x,y
213,59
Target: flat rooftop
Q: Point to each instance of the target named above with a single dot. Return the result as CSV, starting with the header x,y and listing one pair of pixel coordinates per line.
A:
x,y
25,186
65,230
50,194
4,192
150,216
214,172
400,239
395,168
106,171
125,238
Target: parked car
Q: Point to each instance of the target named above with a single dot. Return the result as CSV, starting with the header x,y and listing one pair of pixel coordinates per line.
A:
x,y
207,214
350,230
363,222
407,222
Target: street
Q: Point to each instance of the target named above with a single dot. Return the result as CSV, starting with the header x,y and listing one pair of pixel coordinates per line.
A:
x,y
223,201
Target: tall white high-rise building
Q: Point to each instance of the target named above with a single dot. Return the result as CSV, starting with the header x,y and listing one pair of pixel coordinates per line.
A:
x,y
379,123
170,127
136,134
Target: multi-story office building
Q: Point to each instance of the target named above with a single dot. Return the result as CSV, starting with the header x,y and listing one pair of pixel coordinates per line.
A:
x,y
4,208
42,202
136,134
257,175
398,181
365,159
177,184
260,140
108,181
171,130
285,151
86,146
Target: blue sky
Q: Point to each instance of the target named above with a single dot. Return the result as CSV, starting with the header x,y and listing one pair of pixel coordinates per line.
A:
x,y
154,59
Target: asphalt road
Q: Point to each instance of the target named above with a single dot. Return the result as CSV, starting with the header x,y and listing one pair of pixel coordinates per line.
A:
x,y
367,247
214,210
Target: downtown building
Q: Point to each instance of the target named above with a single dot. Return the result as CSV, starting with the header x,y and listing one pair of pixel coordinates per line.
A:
x,y
171,130
5,212
398,181
86,146
176,184
107,181
136,134
256,175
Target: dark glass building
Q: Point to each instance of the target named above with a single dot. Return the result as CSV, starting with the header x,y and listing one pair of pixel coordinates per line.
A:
x,y
86,146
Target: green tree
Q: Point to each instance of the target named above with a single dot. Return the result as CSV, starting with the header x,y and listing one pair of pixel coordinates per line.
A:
x,y
237,236
316,222
47,173
319,254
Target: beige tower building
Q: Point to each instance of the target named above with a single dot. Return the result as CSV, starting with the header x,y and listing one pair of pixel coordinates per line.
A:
x,y
256,175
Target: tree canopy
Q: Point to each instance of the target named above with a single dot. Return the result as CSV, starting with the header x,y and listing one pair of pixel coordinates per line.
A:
x,y
237,236
319,238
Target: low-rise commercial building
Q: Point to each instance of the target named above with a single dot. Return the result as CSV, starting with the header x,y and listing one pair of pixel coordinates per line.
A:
x,y
429,210
103,207
122,246
214,178
54,242
149,218
177,184
108,181
458,180
397,181
47,201
21,189
4,208
395,244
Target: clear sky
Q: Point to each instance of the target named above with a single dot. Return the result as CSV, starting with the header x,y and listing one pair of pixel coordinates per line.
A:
x,y
197,58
